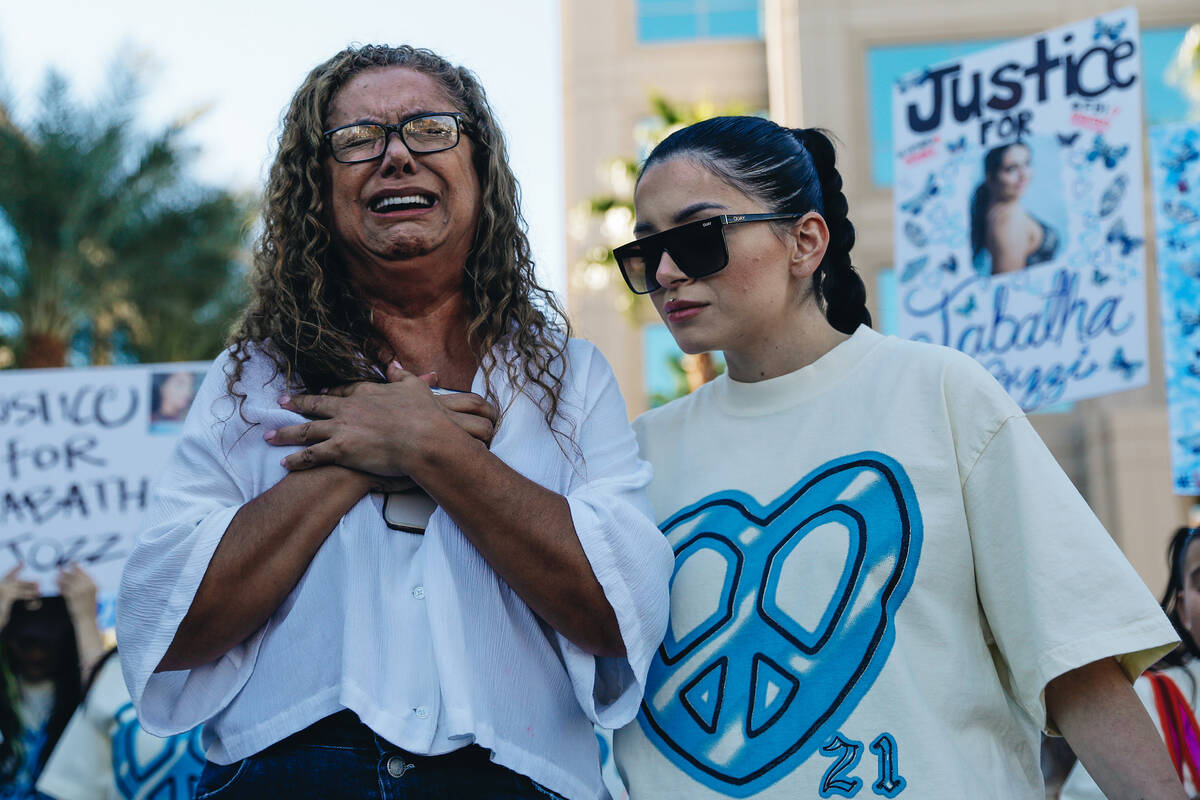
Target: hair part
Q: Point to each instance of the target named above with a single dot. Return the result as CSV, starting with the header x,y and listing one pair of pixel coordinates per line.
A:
x,y
790,172
306,312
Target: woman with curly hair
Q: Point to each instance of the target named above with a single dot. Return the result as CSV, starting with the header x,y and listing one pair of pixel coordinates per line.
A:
x,y
327,655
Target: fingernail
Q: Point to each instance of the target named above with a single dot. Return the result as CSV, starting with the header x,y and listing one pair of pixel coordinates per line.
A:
x,y
397,364
283,462
283,399
269,435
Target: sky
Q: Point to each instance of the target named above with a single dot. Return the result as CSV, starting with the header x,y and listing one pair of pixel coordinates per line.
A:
x,y
240,61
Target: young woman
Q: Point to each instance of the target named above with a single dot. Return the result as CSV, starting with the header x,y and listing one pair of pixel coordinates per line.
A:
x,y
1171,692
46,645
884,584
1005,237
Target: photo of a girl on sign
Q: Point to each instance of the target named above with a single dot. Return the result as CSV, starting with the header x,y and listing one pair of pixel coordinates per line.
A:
x,y
1005,235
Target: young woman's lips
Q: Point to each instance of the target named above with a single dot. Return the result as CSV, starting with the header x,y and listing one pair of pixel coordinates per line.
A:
x,y
681,310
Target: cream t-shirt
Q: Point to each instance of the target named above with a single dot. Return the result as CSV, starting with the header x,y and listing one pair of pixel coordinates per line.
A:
x,y
879,567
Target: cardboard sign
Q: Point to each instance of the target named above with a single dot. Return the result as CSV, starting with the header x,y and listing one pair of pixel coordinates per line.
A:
x,y
1175,167
79,450
1019,232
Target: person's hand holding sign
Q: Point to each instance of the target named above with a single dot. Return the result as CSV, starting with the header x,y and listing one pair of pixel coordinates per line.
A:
x,y
12,590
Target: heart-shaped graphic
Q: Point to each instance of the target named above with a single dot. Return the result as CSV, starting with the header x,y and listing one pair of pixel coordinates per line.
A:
x,y
781,618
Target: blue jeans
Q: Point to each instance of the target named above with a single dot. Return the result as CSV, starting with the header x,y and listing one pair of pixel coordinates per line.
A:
x,y
340,758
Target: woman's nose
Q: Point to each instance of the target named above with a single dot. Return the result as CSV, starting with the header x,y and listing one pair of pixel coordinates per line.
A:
x,y
668,272
396,155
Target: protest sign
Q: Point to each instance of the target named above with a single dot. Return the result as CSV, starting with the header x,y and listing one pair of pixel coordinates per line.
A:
x,y
79,450
1175,167
1019,226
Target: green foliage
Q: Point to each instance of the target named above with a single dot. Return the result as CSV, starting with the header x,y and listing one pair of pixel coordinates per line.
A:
x,y
114,243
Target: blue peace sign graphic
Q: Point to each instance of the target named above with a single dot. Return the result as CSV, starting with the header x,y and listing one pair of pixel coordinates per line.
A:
x,y
781,618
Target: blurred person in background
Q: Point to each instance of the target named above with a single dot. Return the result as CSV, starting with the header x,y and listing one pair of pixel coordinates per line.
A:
x,y
1171,690
104,754
47,645
326,655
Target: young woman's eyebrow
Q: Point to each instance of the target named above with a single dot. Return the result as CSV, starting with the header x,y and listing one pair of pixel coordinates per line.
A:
x,y
703,205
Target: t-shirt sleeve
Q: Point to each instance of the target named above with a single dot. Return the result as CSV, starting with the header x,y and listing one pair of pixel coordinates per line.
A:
x,y
628,554
196,498
1055,590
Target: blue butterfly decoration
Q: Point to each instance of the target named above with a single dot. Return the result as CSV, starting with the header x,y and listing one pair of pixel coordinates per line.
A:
x,y
913,268
914,204
1118,236
1105,152
1123,365
1068,139
1104,30
1190,321
967,307
1176,244
915,235
950,264
1191,443
1181,213
1191,268
1099,278
1113,194
916,80
1177,161
957,146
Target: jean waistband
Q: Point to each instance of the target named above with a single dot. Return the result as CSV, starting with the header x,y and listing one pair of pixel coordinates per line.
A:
x,y
345,729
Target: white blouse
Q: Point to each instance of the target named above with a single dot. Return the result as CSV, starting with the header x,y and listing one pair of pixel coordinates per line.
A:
x,y
415,634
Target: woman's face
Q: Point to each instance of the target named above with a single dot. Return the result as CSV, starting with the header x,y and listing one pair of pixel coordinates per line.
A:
x,y
1012,176
175,394
1188,601
737,309
374,240
34,658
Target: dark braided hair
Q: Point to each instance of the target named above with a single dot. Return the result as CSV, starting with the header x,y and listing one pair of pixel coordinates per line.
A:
x,y
1176,583
790,172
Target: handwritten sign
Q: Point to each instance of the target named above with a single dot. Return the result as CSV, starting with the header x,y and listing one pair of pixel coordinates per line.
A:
x,y
1019,232
79,450
1175,167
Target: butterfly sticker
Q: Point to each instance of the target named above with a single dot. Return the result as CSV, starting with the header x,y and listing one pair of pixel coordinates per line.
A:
x,y
915,235
1118,236
1123,365
1068,139
914,204
1190,321
911,82
1105,152
1105,31
913,268
1176,244
950,264
1190,443
1100,278
1113,194
967,307
1177,162
1181,213
957,146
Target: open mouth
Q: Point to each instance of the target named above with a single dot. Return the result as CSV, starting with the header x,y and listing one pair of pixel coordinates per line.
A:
x,y
402,202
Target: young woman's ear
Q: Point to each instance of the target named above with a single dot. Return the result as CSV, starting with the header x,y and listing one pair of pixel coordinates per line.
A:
x,y
808,239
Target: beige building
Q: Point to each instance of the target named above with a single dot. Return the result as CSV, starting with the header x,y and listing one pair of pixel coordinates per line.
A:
x,y
809,68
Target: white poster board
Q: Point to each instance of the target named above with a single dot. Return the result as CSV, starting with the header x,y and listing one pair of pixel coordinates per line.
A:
x,y
79,451
1019,231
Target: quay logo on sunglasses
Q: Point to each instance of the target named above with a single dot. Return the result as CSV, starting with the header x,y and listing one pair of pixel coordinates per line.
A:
x,y
697,248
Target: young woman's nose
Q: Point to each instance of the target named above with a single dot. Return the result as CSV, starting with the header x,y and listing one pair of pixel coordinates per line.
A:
x,y
668,272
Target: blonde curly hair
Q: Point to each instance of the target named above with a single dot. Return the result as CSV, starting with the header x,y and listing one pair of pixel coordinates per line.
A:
x,y
304,307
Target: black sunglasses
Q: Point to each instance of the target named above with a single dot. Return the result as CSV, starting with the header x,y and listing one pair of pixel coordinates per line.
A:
x,y
421,133
697,248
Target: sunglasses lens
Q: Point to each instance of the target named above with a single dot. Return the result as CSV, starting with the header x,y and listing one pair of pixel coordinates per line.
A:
x,y
638,264
698,249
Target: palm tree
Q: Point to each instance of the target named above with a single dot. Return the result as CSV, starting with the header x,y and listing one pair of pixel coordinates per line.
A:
x,y
111,245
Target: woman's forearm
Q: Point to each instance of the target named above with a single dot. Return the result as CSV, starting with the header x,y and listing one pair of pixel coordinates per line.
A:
x,y
88,641
260,559
1107,726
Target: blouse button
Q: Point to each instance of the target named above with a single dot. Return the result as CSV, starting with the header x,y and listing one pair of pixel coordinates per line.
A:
x,y
421,712
419,593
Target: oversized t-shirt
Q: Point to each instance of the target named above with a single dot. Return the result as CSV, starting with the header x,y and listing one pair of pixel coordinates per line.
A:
x,y
104,754
879,567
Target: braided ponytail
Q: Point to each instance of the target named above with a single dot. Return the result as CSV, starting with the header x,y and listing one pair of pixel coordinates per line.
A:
x,y
835,281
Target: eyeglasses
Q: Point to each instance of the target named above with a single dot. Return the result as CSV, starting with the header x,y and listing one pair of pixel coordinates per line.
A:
x,y
697,248
421,133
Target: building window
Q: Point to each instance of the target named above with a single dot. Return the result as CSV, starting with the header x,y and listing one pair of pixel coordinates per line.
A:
x,y
686,20
1163,102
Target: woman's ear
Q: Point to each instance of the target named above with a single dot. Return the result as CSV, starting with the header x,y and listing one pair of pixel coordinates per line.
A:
x,y
808,238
